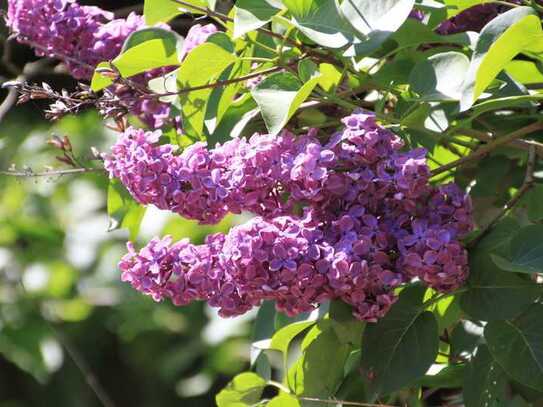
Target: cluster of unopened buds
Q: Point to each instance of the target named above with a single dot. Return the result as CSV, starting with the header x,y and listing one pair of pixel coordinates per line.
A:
x,y
352,218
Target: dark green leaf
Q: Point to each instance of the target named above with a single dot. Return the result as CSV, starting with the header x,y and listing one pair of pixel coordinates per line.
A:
x,y
526,252
534,202
322,364
413,33
485,382
449,377
400,347
499,237
307,69
493,294
465,338
516,346
262,332
348,329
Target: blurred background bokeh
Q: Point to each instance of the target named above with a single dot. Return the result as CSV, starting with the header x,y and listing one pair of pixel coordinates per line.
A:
x,y
66,320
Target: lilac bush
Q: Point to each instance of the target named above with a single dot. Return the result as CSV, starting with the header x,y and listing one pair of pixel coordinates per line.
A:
x,y
366,215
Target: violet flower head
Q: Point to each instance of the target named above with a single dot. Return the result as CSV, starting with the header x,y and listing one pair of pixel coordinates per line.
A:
x,y
61,29
352,219
473,18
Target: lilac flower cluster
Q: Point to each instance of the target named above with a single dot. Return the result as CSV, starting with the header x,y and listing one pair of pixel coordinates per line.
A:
x,y
202,184
84,36
66,30
352,218
473,18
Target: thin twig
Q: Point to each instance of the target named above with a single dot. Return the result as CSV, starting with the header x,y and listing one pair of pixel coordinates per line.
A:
x,y
90,378
218,84
31,174
515,199
345,403
494,144
487,137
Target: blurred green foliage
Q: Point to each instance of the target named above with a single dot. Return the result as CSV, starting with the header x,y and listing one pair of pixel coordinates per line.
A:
x,y
59,282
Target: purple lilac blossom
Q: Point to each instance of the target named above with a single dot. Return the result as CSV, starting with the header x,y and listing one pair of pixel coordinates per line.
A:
x,y
197,35
371,221
473,18
62,29
84,36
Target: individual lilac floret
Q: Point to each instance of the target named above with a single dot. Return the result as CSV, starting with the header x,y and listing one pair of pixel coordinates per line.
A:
x,y
197,35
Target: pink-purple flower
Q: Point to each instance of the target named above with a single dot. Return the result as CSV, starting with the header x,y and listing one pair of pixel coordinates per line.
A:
x,y
352,219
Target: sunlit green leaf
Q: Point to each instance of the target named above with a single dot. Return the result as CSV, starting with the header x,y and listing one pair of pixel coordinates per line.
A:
x,y
252,14
279,96
162,11
203,65
485,382
244,390
440,77
143,57
500,41
284,400
320,21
